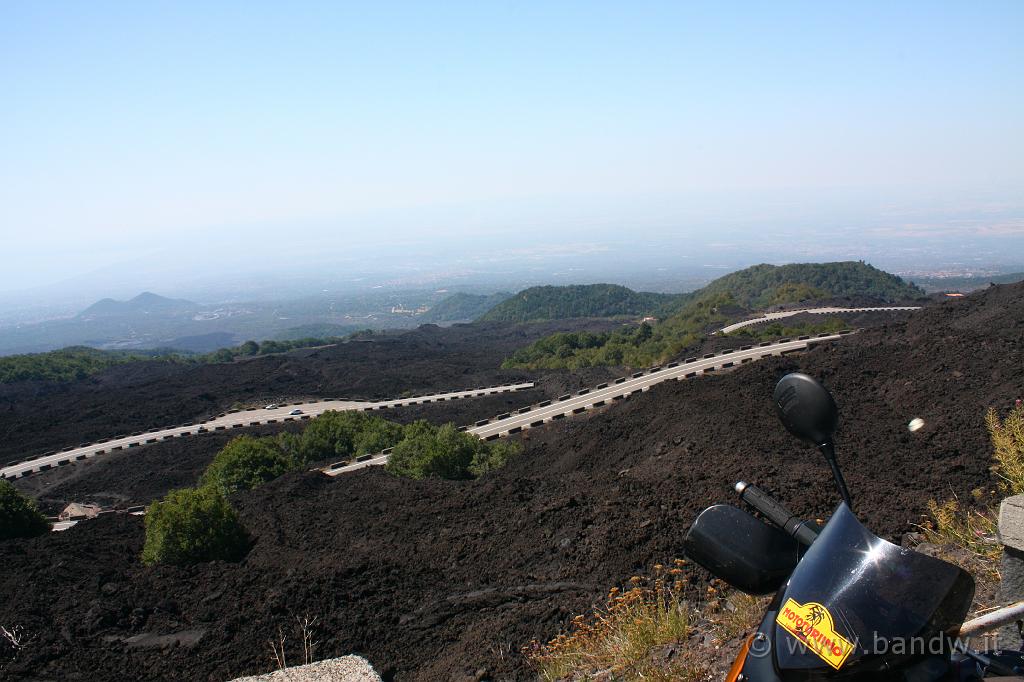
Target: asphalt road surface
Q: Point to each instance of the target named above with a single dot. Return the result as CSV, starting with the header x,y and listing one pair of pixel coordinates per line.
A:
x,y
813,311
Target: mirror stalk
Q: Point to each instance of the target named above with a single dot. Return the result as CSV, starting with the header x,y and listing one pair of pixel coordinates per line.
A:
x,y
829,451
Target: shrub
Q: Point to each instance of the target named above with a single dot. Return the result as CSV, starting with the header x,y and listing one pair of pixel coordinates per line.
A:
x,y
492,456
445,452
975,529
245,463
19,517
424,452
1008,444
619,637
193,525
340,435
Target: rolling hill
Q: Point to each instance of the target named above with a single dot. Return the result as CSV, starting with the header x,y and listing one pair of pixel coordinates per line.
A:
x,y
693,315
463,307
577,300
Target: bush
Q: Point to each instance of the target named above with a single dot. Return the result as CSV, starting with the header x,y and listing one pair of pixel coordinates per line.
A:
x,y
340,435
445,452
193,525
492,456
245,463
19,517
1008,443
621,636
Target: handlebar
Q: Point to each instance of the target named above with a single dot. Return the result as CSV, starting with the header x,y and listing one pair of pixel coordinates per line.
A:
x,y
801,530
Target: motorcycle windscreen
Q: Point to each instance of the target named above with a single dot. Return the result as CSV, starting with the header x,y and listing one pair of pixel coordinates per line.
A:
x,y
857,603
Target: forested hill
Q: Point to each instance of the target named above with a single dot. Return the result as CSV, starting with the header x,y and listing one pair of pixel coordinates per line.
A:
x,y
765,285
578,300
690,317
462,307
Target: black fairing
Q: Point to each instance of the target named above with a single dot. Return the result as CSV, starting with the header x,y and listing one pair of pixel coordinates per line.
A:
x,y
866,606
741,550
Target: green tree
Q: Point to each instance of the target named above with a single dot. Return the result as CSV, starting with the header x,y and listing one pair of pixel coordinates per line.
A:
x,y
430,451
245,463
493,456
445,452
249,348
191,526
222,355
19,516
339,435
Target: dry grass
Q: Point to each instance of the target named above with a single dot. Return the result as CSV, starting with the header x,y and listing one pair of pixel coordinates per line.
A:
x,y
731,613
618,639
305,629
1008,444
975,530
13,641
647,632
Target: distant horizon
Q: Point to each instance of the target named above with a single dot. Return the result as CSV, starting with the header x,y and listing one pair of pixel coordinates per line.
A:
x,y
199,146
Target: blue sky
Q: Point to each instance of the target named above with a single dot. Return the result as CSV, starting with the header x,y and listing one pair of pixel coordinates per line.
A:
x,y
131,128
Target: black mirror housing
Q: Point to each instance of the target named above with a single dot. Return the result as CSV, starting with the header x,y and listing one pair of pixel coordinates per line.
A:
x,y
806,408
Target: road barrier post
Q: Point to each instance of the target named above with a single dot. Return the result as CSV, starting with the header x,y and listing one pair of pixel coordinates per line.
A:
x,y
1011,566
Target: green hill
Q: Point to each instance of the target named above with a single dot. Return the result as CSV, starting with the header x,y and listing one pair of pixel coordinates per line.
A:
x,y
761,286
577,300
462,307
711,307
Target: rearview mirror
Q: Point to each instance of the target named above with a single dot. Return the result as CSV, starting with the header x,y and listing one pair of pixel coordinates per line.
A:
x,y
806,408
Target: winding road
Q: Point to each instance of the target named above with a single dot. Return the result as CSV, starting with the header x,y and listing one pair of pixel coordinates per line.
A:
x,y
769,317
236,419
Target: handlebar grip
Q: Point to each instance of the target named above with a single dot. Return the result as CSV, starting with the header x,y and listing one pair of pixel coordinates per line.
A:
x,y
773,510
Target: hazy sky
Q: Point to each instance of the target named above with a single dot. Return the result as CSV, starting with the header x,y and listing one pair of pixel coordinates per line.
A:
x,y
131,128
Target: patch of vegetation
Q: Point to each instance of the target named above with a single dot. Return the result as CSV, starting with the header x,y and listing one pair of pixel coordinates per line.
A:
x,y
341,435
1007,437
619,638
639,346
198,524
245,463
193,525
765,285
67,364
578,300
19,516
647,632
974,529
462,306
79,362
694,315
445,452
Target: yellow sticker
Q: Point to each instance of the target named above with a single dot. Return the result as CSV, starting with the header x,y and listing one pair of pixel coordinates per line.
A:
x,y
811,624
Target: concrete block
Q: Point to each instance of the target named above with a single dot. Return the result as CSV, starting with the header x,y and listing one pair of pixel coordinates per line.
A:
x,y
1011,522
1011,590
1011,565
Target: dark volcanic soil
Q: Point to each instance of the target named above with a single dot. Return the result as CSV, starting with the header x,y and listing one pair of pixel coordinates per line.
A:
x,y
138,476
39,416
435,580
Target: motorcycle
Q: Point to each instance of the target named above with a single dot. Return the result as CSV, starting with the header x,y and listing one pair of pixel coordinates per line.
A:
x,y
848,604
